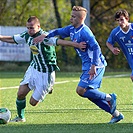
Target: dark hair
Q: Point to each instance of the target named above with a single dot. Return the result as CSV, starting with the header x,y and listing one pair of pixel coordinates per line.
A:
x,y
121,12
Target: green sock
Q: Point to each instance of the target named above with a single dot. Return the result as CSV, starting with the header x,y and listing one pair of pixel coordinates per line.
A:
x,y
21,104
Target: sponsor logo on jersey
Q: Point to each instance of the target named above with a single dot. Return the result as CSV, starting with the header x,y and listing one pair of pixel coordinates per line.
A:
x,y
34,49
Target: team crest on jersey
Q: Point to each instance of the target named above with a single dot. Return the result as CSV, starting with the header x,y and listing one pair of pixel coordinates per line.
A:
x,y
34,49
122,38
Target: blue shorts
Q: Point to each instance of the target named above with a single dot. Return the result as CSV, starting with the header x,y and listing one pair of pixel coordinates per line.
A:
x,y
94,83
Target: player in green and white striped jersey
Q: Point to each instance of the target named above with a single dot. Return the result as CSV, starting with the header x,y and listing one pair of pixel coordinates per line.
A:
x,y
40,75
44,57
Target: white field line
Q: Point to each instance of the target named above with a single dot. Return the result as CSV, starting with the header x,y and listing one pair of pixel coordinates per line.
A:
x,y
112,76
63,82
13,87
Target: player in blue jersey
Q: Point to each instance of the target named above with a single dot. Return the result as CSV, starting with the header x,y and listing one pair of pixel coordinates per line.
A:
x,y
123,35
40,75
93,62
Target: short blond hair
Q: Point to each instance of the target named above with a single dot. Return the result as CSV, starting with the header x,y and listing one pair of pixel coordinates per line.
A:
x,y
82,11
79,8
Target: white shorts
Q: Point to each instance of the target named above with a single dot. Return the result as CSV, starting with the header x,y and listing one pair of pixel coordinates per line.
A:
x,y
41,83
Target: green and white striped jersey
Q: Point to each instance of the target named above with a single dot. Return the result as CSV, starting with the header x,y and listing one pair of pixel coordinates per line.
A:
x,y
44,56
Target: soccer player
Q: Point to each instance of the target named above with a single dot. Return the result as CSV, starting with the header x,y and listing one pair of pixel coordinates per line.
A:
x,y
40,75
123,35
93,62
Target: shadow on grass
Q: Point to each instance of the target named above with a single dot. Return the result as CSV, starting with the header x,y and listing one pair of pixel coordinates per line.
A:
x,y
71,110
66,128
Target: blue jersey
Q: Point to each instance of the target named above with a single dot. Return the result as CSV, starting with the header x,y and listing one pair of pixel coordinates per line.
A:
x,y
92,54
125,41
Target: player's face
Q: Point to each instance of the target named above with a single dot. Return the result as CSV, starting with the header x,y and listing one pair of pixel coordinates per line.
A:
x,y
75,19
122,21
32,27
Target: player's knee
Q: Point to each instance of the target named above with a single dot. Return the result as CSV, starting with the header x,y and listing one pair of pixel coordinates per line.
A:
x,y
33,102
20,95
23,91
80,91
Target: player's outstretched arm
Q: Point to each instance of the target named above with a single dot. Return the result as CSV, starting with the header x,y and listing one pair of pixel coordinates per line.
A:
x,y
52,41
81,45
8,39
39,38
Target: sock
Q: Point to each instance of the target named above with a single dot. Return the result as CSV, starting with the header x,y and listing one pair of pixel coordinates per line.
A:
x,y
116,113
21,104
94,94
108,97
103,104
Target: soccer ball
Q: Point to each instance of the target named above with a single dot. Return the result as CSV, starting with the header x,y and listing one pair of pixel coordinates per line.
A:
x,y
5,115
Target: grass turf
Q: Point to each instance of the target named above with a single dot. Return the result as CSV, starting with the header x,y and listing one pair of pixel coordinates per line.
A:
x,y
64,111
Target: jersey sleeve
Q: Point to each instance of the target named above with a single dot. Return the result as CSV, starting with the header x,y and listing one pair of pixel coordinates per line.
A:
x,y
52,41
19,39
63,32
94,51
89,38
111,38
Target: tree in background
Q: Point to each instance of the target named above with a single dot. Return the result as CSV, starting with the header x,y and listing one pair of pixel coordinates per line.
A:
x,y
56,13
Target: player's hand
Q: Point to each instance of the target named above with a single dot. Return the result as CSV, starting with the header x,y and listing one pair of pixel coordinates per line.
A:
x,y
92,72
82,46
116,50
39,39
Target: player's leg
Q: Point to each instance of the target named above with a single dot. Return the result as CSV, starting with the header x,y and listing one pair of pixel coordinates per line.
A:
x,y
21,100
103,104
101,99
116,116
24,88
21,103
44,83
88,89
33,102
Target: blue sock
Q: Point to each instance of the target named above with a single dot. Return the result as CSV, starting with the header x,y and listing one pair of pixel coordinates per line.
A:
x,y
102,104
94,94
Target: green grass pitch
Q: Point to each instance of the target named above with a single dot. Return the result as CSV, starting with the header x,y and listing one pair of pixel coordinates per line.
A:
x,y
64,111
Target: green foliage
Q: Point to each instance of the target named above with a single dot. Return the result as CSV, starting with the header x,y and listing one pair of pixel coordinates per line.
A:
x,y
64,111
16,12
102,22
